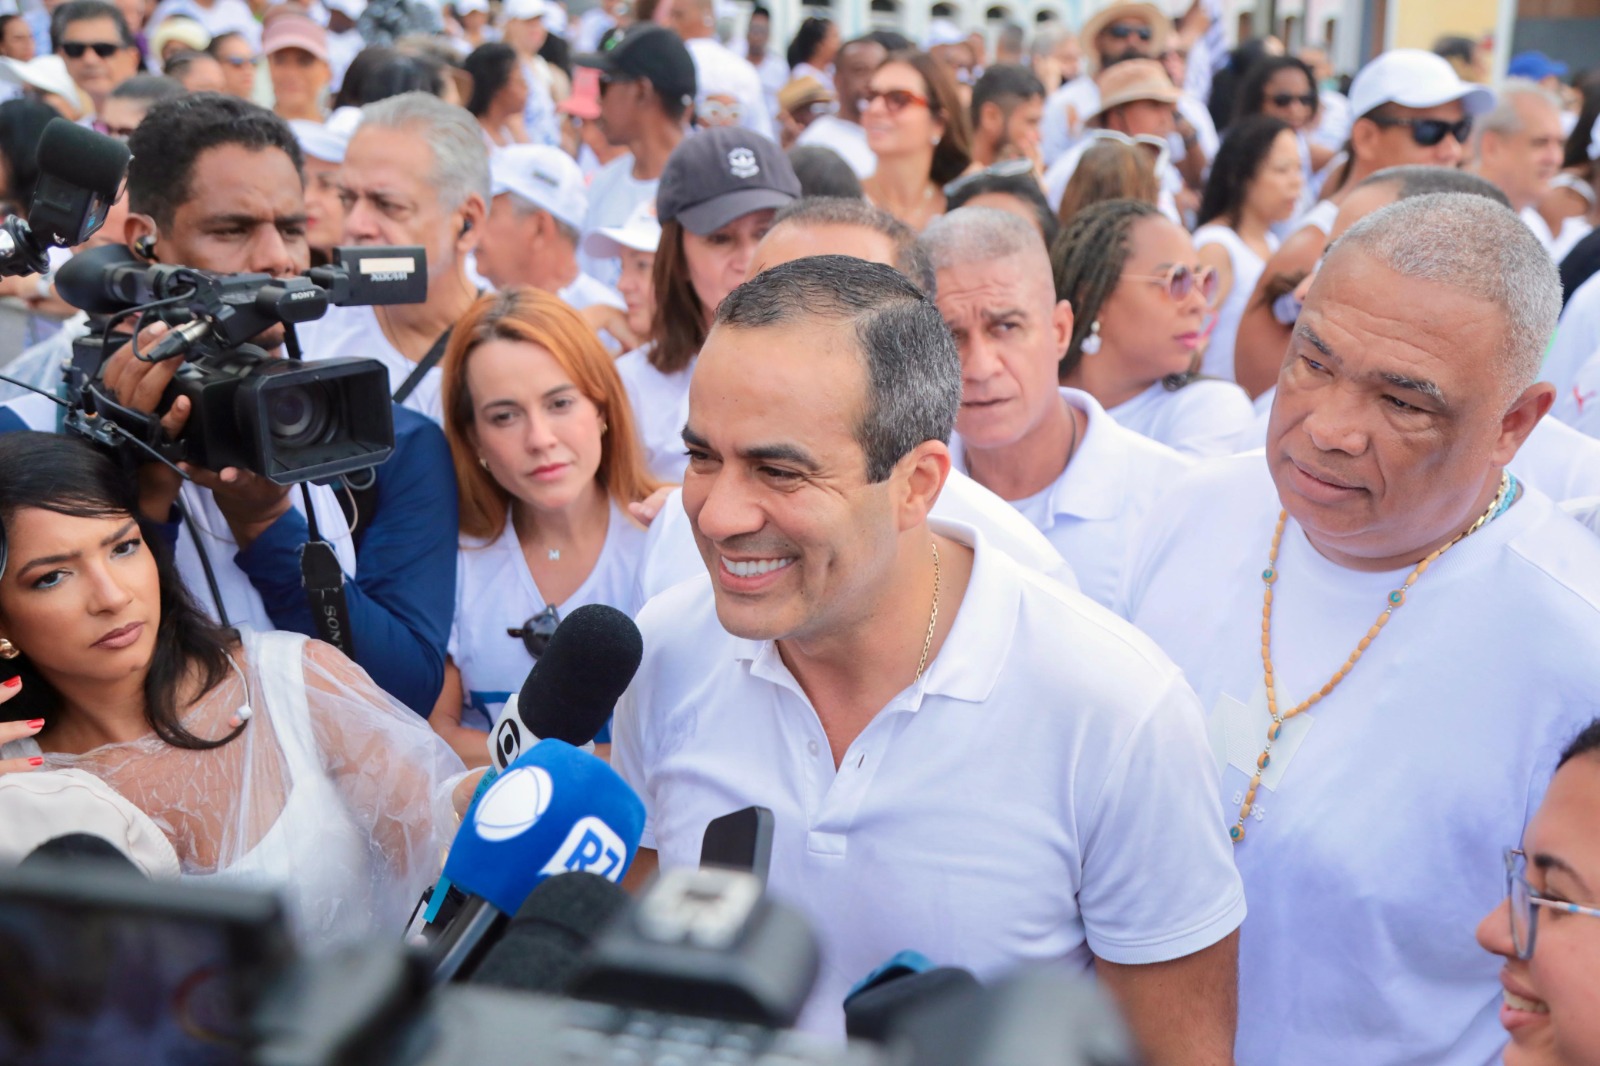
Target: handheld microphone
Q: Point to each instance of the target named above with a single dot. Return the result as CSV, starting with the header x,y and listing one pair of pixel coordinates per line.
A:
x,y
573,688
544,945
554,810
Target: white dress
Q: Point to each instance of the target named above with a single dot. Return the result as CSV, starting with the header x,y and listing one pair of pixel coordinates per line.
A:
x,y
1247,268
334,795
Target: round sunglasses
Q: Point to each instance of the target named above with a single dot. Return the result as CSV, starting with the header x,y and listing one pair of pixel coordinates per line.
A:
x,y
1427,132
1181,279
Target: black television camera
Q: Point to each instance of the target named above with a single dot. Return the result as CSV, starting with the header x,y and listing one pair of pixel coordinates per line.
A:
x,y
80,176
283,419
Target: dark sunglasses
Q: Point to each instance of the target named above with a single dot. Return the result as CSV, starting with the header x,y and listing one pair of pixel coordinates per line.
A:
x,y
1427,132
894,100
537,631
1122,31
1285,99
103,49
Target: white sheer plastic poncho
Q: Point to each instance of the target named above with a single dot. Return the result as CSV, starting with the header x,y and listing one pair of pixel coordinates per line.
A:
x,y
335,795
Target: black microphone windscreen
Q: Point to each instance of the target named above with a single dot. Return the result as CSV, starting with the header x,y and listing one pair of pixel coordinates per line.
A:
x,y
81,279
544,945
82,157
80,847
575,685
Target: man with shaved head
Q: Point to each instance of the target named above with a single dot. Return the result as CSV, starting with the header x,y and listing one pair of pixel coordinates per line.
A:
x,y
1392,634
1054,453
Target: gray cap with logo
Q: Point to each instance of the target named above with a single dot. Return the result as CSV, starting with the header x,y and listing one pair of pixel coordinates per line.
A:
x,y
722,174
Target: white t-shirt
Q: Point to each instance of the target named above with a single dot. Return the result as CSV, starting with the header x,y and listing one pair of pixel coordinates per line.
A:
x,y
1065,111
1321,217
1090,511
1203,418
714,65
1247,268
1369,862
585,291
846,139
661,409
772,70
1572,364
671,556
1041,792
495,592
613,194
353,332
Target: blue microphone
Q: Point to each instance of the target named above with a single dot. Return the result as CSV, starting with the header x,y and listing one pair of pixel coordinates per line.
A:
x,y
555,809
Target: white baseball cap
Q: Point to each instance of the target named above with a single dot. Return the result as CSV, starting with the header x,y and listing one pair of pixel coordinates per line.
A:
x,y
544,176
641,233
42,805
1411,77
465,7
515,10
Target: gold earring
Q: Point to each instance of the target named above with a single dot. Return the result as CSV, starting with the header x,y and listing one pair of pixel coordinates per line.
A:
x,y
8,650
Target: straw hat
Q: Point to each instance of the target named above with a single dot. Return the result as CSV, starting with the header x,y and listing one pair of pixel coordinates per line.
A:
x,y
1134,79
1151,15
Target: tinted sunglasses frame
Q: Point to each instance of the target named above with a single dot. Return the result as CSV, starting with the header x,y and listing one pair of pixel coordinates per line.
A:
x,y
103,49
536,632
1121,32
1285,99
905,98
1180,280
1428,132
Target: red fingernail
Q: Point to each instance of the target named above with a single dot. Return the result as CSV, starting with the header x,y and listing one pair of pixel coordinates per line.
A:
x,y
36,760
12,682
36,723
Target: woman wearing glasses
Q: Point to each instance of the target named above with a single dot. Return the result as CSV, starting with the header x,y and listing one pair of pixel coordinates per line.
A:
x,y
1546,929
1140,300
546,461
1255,183
917,128
1283,87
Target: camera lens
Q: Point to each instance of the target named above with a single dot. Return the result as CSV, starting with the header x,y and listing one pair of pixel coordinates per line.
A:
x,y
299,415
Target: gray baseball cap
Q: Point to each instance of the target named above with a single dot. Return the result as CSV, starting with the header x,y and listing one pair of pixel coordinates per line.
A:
x,y
721,174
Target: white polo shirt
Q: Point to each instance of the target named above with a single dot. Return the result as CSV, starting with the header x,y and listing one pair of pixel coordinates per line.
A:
x,y
1090,512
1044,792
671,555
354,333
1371,859
584,291
661,410
1205,417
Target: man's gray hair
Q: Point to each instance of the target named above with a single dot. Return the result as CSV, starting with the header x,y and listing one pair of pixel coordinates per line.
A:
x,y
460,159
1504,118
913,369
981,235
1473,244
909,258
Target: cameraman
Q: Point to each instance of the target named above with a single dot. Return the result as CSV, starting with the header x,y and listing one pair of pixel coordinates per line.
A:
x,y
217,184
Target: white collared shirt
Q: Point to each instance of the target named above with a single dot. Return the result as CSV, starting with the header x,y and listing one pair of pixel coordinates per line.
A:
x,y
660,409
1041,793
1371,860
1090,512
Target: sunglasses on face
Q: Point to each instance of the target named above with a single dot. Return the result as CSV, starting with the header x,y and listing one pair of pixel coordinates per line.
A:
x,y
1285,99
1122,31
76,49
894,100
1427,132
537,631
1181,279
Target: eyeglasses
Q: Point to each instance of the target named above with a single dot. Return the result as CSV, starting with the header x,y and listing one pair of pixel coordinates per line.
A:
x,y
1006,168
239,61
1181,279
894,100
1285,99
103,49
1427,132
1122,31
1524,904
537,631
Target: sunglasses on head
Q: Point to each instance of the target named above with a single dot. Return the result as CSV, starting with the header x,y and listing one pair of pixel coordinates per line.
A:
x,y
1006,168
1285,99
1181,279
537,631
715,112
103,49
1427,132
894,100
1157,146
1122,31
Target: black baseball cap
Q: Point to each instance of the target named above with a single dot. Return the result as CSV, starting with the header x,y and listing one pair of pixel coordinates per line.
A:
x,y
720,174
653,53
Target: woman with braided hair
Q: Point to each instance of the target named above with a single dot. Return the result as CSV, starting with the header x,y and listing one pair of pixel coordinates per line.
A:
x,y
1140,301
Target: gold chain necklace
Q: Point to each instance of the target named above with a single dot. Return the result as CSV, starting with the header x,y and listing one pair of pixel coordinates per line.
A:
x,y
933,616
1396,599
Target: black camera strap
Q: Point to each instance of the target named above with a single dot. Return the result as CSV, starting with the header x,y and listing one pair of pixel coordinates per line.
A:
x,y
427,363
323,579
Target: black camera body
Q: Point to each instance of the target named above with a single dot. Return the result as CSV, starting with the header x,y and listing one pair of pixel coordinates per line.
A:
x,y
286,420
